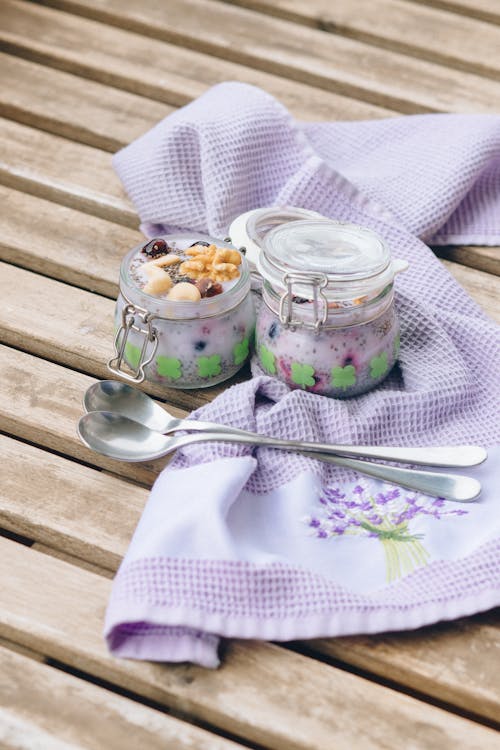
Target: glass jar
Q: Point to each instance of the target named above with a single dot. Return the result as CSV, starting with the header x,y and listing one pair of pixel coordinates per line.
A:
x,y
182,344
327,323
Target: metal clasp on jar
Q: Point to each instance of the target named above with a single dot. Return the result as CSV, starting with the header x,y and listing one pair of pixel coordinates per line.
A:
x,y
150,341
320,303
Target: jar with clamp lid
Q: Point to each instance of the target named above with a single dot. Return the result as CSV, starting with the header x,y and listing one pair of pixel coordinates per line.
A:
x,y
327,323
184,317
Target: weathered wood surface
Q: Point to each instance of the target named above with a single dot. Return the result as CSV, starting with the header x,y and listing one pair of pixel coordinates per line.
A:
x,y
72,90
455,662
347,66
407,27
63,171
486,10
249,697
155,69
41,402
106,117
37,700
63,243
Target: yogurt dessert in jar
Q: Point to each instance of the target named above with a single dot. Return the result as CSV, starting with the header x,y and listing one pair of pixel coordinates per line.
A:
x,y
184,317
327,323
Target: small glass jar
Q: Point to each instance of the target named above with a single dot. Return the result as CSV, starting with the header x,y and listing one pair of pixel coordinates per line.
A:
x,y
327,323
182,344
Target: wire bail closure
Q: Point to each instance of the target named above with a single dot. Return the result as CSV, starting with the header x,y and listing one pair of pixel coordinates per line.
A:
x,y
318,282
145,329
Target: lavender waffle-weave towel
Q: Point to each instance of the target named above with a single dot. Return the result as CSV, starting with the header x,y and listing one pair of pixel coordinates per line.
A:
x,y
267,545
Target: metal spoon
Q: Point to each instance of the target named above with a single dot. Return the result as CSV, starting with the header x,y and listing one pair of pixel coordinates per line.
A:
x,y
114,396
120,437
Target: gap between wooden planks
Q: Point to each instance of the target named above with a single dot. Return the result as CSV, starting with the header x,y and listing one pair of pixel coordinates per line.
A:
x,y
440,36
37,700
485,10
249,696
67,512
331,62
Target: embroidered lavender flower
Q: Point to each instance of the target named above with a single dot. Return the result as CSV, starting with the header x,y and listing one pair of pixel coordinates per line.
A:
x,y
384,515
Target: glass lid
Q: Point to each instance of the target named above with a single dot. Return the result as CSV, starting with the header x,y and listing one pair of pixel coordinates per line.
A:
x,y
250,229
340,251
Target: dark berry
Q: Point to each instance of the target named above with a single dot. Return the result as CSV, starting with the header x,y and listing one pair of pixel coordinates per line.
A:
x,y
208,287
299,300
348,361
200,242
200,345
155,248
273,330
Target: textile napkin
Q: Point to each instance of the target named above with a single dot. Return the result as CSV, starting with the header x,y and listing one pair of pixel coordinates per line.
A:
x,y
256,543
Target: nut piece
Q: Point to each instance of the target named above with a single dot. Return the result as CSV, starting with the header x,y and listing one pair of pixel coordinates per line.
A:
x,y
208,287
198,268
227,255
207,251
159,282
163,262
224,271
184,291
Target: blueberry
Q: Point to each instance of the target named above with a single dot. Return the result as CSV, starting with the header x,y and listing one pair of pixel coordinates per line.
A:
x,y
299,300
200,345
200,242
273,330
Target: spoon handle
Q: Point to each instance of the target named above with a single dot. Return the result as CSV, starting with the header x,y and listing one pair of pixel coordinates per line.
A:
x,y
451,486
458,456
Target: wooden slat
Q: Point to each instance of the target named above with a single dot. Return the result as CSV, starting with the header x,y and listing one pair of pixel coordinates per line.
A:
x,y
484,288
43,707
80,562
72,326
455,662
64,495
385,78
79,109
23,650
483,258
63,171
486,10
66,510
41,402
152,68
435,35
63,243
249,697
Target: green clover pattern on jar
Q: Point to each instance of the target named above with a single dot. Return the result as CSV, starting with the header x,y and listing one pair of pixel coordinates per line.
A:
x,y
240,351
169,367
303,374
343,377
209,367
132,355
267,360
379,365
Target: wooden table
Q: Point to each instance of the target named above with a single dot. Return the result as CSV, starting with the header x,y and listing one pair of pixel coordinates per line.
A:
x,y
79,79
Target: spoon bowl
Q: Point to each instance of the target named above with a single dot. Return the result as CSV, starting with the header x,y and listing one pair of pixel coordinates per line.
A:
x,y
114,396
